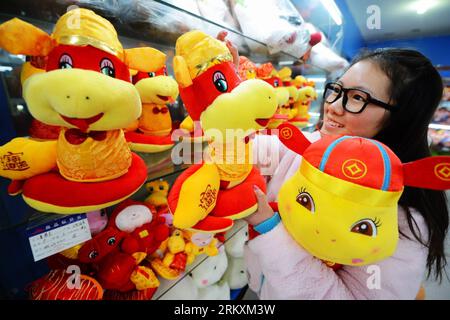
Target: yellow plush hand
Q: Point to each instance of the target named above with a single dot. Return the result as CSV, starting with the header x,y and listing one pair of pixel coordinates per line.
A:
x,y
22,158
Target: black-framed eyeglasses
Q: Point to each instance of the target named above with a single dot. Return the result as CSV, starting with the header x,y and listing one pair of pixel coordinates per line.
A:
x,y
354,100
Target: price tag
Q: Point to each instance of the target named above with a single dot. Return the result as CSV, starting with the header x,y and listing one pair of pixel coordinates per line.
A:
x,y
57,235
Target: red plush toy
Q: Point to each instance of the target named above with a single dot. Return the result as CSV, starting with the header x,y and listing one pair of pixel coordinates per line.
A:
x,y
144,229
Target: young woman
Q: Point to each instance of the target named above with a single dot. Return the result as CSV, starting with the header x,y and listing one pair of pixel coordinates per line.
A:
x,y
394,95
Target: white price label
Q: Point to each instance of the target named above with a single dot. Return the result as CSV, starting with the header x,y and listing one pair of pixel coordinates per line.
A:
x,y
58,235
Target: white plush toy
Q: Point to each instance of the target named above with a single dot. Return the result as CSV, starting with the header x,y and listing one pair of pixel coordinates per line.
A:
x,y
236,238
236,274
207,277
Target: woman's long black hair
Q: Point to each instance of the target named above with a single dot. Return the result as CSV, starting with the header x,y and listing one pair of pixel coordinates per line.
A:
x,y
416,89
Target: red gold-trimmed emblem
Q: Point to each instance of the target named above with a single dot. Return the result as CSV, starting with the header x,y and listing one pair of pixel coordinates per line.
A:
x,y
286,133
442,171
354,169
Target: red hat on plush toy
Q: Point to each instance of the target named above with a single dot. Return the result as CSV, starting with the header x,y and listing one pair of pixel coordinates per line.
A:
x,y
371,164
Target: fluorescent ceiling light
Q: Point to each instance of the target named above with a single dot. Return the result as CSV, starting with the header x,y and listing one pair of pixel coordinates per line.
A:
x,y
5,68
439,126
423,6
321,79
333,10
285,63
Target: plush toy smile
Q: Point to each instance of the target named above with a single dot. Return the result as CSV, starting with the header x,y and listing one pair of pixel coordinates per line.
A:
x,y
82,124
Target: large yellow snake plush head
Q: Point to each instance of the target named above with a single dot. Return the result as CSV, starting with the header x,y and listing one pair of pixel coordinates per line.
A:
x,y
341,205
213,92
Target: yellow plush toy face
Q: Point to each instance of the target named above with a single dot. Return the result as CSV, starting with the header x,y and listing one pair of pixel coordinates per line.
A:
x,y
82,94
157,89
241,108
347,223
306,94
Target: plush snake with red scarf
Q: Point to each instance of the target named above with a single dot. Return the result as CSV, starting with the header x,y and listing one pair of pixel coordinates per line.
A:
x,y
209,196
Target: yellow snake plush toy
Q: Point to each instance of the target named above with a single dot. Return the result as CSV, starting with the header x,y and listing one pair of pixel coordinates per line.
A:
x,y
208,196
151,133
341,205
86,90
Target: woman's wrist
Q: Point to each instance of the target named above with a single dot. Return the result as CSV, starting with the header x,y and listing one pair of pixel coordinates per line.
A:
x,y
268,224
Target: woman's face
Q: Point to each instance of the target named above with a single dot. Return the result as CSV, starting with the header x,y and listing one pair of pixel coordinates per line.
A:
x,y
364,75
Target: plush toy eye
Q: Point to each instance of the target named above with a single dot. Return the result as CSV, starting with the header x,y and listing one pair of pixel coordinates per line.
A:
x,y
150,189
107,68
305,199
367,227
111,241
151,74
65,62
276,83
220,82
93,255
161,187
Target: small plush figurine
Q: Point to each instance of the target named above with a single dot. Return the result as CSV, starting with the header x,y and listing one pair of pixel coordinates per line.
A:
x,y
268,73
86,90
151,133
341,205
299,112
208,196
159,190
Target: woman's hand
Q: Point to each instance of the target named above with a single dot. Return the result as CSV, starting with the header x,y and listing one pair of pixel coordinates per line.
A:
x,y
264,211
233,49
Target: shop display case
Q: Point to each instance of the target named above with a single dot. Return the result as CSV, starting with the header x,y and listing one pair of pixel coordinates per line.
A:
x,y
139,23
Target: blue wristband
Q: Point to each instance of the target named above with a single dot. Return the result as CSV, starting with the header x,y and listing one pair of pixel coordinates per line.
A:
x,y
268,224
